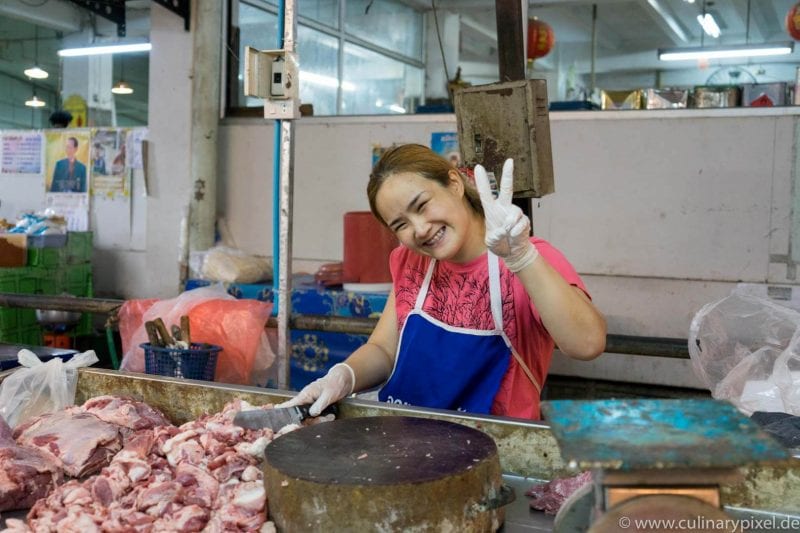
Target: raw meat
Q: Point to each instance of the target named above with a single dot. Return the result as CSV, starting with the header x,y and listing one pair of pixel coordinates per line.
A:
x,y
26,474
79,442
550,496
201,476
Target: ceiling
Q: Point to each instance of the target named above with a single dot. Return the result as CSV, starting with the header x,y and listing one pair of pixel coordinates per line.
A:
x,y
629,32
35,33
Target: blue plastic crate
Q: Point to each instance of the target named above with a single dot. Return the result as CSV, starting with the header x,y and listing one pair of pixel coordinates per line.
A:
x,y
196,362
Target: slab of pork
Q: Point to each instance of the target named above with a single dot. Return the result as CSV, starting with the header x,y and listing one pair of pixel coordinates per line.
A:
x,y
26,474
79,442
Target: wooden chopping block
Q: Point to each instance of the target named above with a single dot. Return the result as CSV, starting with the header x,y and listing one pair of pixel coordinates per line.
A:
x,y
387,473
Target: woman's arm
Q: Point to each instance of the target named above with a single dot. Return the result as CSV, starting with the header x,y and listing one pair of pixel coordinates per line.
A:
x,y
577,327
372,363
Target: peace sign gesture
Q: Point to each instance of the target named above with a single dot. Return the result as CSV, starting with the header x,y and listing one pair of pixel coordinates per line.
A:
x,y
507,228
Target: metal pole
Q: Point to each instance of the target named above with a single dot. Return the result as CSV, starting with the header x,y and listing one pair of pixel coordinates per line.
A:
x,y
511,56
594,48
286,200
622,344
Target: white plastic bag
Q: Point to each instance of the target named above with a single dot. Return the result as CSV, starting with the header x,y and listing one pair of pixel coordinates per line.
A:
x,y
746,350
37,388
230,265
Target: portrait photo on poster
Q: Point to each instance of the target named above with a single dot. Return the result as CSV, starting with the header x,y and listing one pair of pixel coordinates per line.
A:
x,y
110,174
67,161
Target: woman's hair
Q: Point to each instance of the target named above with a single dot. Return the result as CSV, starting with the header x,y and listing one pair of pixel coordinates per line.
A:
x,y
420,160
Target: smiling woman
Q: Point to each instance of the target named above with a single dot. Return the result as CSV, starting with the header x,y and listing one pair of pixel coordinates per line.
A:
x,y
477,304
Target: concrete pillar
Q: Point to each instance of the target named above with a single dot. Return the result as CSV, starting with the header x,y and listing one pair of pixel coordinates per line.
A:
x,y
207,37
169,153
89,77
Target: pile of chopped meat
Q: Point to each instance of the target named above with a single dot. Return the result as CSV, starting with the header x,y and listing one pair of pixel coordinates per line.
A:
x,y
201,476
26,474
550,496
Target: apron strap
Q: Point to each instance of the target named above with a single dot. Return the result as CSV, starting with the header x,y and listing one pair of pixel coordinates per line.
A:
x,y
497,313
527,370
494,290
423,290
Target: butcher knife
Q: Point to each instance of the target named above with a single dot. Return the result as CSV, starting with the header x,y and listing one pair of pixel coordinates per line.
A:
x,y
277,418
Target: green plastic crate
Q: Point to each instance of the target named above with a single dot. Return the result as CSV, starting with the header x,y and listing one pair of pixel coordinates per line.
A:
x,y
79,247
46,257
20,280
8,318
31,335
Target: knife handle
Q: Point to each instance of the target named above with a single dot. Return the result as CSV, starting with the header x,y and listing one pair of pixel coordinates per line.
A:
x,y
332,409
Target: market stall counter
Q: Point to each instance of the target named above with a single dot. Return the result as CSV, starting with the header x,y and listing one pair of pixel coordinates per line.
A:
x,y
527,451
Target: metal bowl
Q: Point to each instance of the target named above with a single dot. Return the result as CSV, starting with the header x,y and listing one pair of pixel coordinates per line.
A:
x,y
50,317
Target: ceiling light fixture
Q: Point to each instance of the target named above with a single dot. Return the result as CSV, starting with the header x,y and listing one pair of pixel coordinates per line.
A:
x,y
709,25
111,49
122,87
34,101
35,72
726,52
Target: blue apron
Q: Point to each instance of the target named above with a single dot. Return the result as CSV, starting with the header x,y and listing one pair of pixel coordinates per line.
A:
x,y
448,367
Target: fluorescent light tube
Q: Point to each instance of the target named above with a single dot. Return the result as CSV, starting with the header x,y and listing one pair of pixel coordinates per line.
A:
x,y
725,52
111,49
709,25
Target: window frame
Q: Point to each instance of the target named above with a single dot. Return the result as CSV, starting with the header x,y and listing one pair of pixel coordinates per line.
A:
x,y
231,61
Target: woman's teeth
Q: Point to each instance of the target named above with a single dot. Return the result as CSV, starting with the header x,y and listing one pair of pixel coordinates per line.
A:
x,y
433,241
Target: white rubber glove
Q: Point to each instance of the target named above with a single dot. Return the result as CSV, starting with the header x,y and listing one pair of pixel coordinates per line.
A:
x,y
507,228
330,388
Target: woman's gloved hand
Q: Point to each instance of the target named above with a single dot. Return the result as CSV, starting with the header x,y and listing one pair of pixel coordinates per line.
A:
x,y
330,388
507,228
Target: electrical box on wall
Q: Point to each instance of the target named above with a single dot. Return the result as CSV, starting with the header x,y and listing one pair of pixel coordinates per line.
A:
x,y
273,76
505,120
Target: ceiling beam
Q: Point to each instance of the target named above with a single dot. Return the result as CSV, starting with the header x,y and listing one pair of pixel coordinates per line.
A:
x,y
666,19
55,14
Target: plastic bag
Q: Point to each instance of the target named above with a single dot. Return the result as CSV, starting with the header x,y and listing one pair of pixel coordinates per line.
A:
x,y
37,388
746,350
230,265
215,317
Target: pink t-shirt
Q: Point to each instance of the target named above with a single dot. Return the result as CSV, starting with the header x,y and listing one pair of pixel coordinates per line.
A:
x,y
459,296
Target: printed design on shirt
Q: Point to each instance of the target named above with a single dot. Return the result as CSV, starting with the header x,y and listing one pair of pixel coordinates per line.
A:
x,y
458,299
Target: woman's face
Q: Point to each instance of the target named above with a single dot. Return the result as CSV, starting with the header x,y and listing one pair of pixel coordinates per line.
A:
x,y
429,218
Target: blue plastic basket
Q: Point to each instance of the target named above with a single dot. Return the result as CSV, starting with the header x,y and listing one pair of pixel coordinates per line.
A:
x,y
199,361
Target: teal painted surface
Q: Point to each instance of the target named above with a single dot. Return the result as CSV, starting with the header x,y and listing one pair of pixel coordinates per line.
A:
x,y
645,434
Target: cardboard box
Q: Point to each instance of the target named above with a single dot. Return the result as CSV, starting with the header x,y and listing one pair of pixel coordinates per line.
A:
x,y
13,249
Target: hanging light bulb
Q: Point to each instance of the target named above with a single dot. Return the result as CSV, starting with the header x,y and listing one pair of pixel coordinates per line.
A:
x,y
34,101
36,72
122,87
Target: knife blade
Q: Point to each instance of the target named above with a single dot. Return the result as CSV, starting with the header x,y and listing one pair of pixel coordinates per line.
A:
x,y
276,418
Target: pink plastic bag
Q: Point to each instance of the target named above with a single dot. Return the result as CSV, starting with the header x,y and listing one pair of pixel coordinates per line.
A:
x,y
215,317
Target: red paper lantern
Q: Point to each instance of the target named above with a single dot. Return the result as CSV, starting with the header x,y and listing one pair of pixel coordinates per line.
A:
x,y
793,22
540,38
